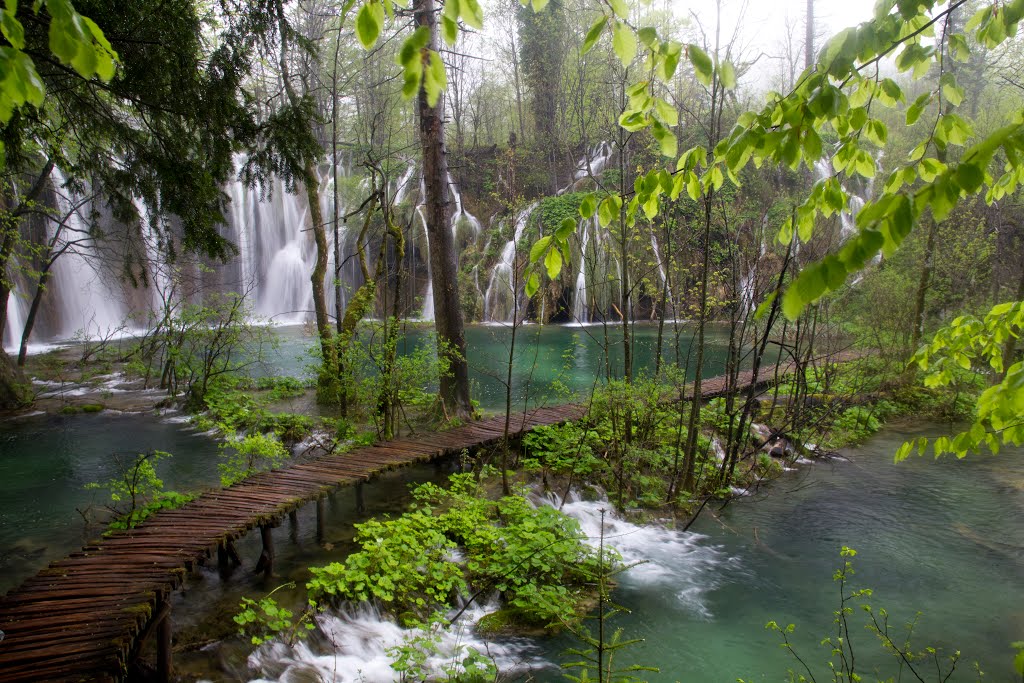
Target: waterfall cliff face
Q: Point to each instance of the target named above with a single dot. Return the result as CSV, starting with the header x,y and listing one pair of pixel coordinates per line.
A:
x,y
87,295
502,301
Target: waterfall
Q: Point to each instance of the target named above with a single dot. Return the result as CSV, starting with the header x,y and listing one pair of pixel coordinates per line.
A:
x,y
579,297
460,217
592,163
502,294
85,299
661,270
270,227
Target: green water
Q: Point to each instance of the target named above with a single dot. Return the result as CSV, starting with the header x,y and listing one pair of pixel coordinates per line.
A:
x,y
551,363
944,538
45,463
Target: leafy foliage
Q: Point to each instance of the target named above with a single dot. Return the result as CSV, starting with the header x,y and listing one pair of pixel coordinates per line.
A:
x,y
842,664
74,39
533,556
136,492
243,456
264,619
978,344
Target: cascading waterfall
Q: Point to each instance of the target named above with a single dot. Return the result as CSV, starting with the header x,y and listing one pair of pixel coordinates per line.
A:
x,y
591,164
276,255
579,296
748,283
460,217
82,297
502,294
662,272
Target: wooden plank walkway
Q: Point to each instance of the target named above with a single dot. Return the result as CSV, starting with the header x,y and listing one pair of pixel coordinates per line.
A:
x,y
81,617
85,616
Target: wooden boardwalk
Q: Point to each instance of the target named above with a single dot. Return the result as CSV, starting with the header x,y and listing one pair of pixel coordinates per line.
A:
x,y
85,617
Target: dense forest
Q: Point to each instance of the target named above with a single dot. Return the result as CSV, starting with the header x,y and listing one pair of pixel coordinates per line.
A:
x,y
738,242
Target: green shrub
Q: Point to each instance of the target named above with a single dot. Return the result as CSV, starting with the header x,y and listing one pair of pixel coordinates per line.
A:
x,y
534,557
243,456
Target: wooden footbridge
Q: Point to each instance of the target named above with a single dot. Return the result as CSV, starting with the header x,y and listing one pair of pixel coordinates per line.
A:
x,y
87,616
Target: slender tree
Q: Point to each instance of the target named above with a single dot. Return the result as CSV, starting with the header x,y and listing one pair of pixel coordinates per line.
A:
x,y
451,333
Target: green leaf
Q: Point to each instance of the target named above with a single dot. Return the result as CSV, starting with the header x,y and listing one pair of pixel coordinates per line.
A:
x,y
594,34
368,25
727,73
765,306
915,110
953,93
553,263
12,29
538,248
620,8
435,80
588,207
532,285
701,63
450,29
566,229
666,139
609,210
472,13
624,43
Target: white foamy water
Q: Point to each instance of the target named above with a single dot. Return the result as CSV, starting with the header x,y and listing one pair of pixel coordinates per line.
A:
x,y
362,643
672,562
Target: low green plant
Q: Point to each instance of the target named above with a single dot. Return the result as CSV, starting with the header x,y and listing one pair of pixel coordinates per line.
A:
x,y
136,491
264,619
453,541
410,658
246,455
923,664
562,449
403,562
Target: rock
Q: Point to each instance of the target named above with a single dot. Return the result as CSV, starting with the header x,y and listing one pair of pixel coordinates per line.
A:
x,y
761,434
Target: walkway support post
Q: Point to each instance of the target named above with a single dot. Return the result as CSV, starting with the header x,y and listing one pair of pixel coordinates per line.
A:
x,y
266,562
360,501
321,518
163,640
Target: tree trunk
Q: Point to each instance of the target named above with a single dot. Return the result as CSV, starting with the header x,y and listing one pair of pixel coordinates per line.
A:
x,y
809,36
451,334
